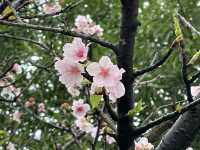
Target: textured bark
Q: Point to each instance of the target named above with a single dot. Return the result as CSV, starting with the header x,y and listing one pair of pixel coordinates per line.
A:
x,y
182,133
128,29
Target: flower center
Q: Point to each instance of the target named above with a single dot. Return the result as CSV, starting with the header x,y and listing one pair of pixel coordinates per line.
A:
x,y
74,70
104,72
80,53
80,109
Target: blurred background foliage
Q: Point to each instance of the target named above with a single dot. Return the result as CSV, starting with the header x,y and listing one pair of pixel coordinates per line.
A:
x,y
154,37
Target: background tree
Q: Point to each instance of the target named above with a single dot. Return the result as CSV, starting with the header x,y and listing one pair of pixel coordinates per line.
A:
x,y
142,41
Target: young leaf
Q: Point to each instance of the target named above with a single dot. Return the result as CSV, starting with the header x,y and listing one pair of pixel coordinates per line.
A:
x,y
138,108
177,27
195,60
178,108
95,100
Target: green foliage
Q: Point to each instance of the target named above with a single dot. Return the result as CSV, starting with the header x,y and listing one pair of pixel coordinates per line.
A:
x,y
95,100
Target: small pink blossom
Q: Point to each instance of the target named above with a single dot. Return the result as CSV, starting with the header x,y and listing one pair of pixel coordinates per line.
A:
x,y
105,73
109,139
17,68
51,8
70,72
41,108
116,91
17,116
80,109
86,25
84,125
76,51
143,144
195,90
10,146
74,91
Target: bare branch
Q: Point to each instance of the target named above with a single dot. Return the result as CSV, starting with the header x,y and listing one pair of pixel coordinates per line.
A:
x,y
60,31
167,117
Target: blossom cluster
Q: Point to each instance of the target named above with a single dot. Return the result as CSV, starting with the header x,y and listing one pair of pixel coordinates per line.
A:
x,y
143,144
51,8
84,24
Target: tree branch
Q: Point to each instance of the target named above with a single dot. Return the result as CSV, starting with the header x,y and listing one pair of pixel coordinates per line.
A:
x,y
167,117
156,65
60,31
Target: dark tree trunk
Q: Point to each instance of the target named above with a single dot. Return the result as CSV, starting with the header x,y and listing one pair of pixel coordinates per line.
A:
x,y
128,29
182,133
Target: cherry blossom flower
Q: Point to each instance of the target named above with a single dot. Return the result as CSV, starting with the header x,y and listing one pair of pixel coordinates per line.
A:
x,y
109,139
41,107
195,90
143,144
17,68
86,25
51,8
80,109
84,125
73,91
105,73
38,134
116,91
70,72
76,51
10,146
30,102
17,116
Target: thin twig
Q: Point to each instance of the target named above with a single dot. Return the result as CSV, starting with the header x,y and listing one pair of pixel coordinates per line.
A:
x,y
60,31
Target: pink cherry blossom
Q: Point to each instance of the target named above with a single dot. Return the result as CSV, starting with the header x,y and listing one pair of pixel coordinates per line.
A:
x,y
76,51
195,90
17,116
10,146
143,144
74,91
41,108
17,68
80,108
109,139
51,8
105,73
116,91
86,25
70,72
84,125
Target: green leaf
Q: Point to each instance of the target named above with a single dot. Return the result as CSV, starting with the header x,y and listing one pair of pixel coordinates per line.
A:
x,y
178,108
195,60
95,100
177,27
138,108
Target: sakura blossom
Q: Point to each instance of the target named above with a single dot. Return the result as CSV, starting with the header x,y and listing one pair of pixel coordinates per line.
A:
x,y
10,92
41,108
17,68
84,24
116,91
76,51
17,116
109,139
10,146
70,72
105,73
143,144
80,108
51,8
84,125
74,91
195,90
30,102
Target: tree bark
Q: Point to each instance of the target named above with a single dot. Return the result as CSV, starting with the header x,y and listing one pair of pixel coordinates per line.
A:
x,y
129,23
182,133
